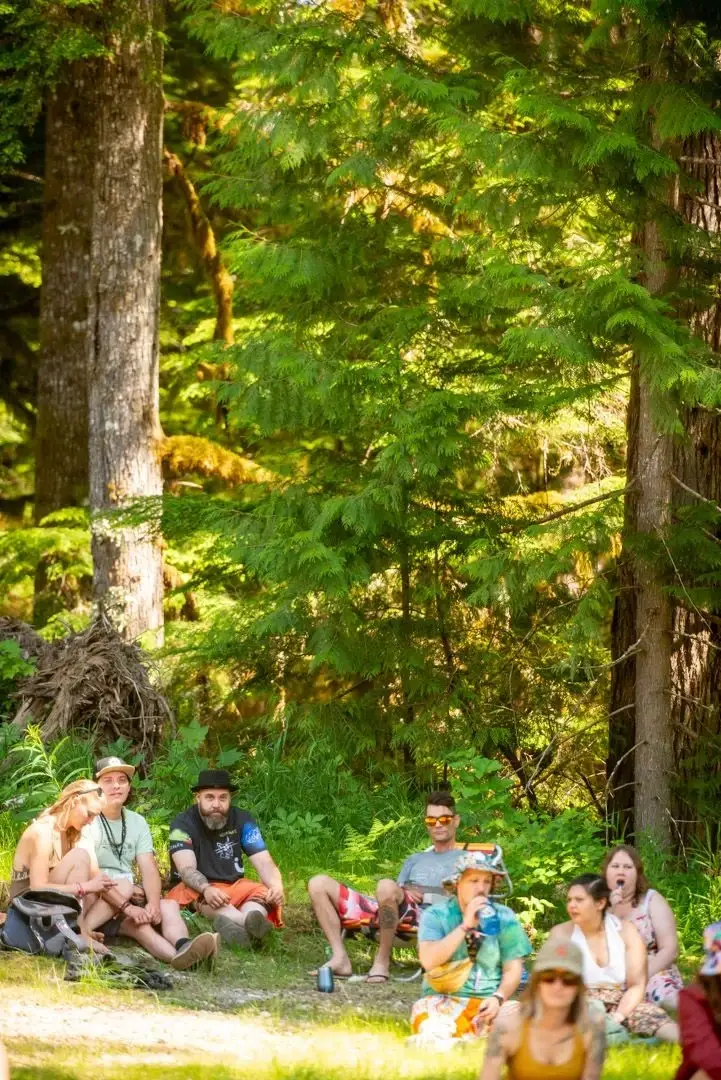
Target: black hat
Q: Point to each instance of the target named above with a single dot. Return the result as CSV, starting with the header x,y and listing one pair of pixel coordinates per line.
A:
x,y
214,778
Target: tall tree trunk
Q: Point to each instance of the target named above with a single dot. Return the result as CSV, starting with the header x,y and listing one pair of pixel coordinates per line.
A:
x,y
640,733
654,747
696,662
620,765
123,362
61,471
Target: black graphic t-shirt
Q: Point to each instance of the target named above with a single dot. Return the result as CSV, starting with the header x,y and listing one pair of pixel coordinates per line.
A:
x,y
219,854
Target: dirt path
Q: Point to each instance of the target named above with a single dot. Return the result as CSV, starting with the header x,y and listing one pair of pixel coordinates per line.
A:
x,y
151,1033
142,1028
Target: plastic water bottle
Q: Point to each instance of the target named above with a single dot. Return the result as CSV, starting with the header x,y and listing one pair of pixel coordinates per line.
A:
x,y
325,981
489,922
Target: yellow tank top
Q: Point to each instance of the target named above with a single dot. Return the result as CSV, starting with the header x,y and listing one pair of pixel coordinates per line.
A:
x,y
523,1066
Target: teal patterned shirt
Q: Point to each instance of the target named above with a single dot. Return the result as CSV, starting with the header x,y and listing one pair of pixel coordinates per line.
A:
x,y
485,977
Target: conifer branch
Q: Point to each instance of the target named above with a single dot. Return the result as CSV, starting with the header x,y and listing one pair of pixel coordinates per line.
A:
x,y
570,509
589,788
696,494
630,651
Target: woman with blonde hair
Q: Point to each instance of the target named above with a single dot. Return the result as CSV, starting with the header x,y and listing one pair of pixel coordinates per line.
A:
x,y
49,854
553,1037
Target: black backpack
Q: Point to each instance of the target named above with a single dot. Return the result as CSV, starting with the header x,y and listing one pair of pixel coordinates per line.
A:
x,y
43,922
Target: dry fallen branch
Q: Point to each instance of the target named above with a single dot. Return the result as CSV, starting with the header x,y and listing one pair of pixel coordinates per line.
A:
x,y
93,681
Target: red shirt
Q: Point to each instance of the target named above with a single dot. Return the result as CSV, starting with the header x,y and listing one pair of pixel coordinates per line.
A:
x,y
700,1035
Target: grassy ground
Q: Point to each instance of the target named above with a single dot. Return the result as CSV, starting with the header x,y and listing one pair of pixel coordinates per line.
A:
x,y
389,1059
261,1011
258,1013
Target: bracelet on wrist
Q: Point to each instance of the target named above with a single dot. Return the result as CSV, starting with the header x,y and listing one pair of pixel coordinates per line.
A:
x,y
499,998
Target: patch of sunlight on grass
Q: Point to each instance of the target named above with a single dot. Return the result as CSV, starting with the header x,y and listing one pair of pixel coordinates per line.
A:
x,y
321,1054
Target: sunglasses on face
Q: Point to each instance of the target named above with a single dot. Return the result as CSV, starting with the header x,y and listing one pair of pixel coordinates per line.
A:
x,y
559,976
91,791
444,819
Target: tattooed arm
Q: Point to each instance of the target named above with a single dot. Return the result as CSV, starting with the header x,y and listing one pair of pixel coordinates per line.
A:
x,y
595,1049
188,871
499,1046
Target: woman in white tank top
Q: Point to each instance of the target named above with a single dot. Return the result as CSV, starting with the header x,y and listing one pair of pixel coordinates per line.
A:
x,y
614,960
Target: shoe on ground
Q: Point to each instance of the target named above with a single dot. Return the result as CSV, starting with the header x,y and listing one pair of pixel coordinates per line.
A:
x,y
194,951
257,927
231,932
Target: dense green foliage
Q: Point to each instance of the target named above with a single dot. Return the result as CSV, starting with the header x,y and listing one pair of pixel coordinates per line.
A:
x,y
398,536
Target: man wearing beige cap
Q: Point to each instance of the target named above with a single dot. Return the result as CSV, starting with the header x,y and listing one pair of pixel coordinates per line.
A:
x,y
120,839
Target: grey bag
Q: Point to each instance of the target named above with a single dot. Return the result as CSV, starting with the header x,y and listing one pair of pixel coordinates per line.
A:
x,y
43,922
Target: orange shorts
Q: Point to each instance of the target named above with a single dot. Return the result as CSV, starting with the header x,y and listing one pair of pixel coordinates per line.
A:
x,y
238,893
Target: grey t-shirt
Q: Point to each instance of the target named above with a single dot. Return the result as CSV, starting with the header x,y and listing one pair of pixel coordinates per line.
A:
x,y
427,869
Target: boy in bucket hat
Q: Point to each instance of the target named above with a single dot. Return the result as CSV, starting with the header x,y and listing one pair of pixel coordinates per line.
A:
x,y
207,845
119,840
472,950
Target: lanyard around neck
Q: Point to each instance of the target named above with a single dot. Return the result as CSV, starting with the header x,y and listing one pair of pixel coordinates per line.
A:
x,y
118,849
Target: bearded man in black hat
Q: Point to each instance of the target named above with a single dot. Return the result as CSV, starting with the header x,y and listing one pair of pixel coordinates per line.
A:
x,y
207,845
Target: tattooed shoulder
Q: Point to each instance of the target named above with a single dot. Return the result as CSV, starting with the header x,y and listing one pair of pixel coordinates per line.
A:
x,y
597,1050
496,1042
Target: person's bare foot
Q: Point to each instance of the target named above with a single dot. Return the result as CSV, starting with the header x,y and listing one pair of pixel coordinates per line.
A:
x,y
377,976
97,947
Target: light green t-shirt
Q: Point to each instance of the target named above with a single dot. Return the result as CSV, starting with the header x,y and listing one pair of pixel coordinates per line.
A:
x,y
111,858
511,943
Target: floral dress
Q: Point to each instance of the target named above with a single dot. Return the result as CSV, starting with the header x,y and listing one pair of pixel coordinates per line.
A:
x,y
663,987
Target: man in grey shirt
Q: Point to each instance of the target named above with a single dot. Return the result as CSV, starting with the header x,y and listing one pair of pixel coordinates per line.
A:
x,y
397,904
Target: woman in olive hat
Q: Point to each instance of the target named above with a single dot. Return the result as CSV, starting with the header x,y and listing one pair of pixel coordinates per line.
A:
x,y
552,1037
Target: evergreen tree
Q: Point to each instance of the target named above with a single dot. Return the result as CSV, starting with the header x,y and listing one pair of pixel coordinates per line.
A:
x,y
416,300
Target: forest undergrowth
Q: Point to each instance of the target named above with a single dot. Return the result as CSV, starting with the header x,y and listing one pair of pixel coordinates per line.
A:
x,y
316,816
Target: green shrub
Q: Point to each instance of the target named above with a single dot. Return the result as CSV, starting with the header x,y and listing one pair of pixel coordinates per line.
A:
x,y
317,816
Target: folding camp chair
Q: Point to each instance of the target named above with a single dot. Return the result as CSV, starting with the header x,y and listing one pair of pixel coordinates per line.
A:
x,y
407,933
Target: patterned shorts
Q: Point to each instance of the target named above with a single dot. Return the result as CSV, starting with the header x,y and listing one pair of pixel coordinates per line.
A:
x,y
663,987
357,911
447,1017
645,1019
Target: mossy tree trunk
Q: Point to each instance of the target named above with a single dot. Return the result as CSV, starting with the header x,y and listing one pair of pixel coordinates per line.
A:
x,y
696,661
61,472
675,763
124,423
640,731
654,747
